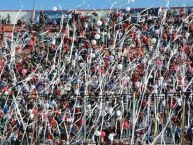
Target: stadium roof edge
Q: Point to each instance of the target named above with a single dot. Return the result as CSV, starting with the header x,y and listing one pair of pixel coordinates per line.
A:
x,y
93,9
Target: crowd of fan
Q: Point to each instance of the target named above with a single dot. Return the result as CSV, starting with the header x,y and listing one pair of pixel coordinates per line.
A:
x,y
85,80
5,20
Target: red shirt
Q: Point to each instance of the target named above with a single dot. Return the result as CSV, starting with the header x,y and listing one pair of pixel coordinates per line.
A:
x,y
80,122
53,123
1,64
135,78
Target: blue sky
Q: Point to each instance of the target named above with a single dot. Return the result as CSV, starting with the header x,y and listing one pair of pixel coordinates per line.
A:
x,y
89,4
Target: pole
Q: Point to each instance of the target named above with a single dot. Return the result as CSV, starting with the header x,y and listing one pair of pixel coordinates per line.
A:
x,y
34,5
182,124
33,15
134,121
84,119
183,141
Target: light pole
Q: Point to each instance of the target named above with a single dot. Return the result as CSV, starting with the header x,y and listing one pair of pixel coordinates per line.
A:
x,y
34,4
33,14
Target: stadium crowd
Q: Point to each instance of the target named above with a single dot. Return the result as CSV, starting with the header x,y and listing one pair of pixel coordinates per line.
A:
x,y
5,20
98,79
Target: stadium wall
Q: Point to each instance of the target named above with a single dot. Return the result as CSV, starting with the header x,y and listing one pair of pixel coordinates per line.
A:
x,y
27,14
